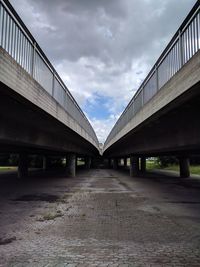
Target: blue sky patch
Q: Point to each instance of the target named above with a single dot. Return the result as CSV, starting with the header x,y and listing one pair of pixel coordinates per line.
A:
x,y
97,107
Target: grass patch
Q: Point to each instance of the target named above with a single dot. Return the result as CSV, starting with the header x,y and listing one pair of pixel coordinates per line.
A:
x,y
194,169
152,164
7,168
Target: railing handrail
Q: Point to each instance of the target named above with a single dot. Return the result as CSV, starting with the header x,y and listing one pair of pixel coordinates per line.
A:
x,y
9,8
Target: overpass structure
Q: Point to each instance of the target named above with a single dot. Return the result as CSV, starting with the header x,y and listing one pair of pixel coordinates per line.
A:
x,y
163,116
38,114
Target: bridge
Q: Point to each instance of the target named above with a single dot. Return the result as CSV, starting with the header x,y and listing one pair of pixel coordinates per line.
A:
x,y
37,111
39,115
163,116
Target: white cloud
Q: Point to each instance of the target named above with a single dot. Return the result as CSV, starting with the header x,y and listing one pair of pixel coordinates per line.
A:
x,y
103,48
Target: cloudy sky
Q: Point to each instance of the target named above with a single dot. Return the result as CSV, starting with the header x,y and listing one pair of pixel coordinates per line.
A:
x,y
103,49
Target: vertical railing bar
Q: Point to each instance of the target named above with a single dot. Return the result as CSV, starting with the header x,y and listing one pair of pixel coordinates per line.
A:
x,y
4,29
186,45
25,52
197,25
6,33
33,61
22,57
17,41
53,85
194,32
190,38
13,38
18,45
156,77
180,48
20,49
1,22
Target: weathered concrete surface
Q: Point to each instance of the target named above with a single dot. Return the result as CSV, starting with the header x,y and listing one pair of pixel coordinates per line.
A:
x,y
30,116
101,218
168,122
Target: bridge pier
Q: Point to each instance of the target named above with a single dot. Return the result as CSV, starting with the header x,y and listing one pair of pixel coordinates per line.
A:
x,y
143,164
87,163
44,163
71,164
125,162
184,166
115,163
109,163
134,166
23,165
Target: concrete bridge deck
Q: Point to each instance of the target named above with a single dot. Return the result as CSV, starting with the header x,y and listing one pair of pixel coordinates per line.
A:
x,y
101,218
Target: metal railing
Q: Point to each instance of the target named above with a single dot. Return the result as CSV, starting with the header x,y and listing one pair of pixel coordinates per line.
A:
x,y
182,47
16,39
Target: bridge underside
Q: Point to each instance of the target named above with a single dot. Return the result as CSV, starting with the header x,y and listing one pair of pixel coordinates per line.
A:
x,y
25,127
173,130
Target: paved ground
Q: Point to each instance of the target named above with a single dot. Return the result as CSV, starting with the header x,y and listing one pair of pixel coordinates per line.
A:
x,y
101,218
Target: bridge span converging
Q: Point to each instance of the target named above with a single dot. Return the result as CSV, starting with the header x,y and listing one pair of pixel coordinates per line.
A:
x,y
39,115
162,117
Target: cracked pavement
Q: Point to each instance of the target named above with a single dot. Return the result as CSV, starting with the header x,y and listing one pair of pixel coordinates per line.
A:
x,y
100,218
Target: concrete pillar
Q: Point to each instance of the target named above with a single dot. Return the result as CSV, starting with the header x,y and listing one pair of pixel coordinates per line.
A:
x,y
115,163
87,163
134,166
125,162
109,163
119,162
44,163
143,164
23,165
71,164
184,166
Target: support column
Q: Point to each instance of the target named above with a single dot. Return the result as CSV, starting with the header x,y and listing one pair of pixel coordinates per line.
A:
x,y
23,165
109,163
71,164
87,163
143,164
115,163
44,163
125,162
184,166
134,166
